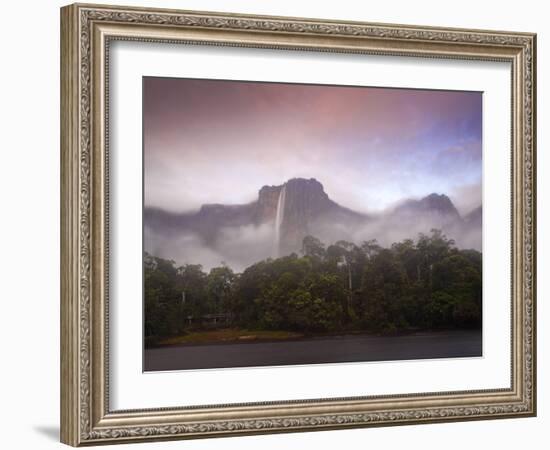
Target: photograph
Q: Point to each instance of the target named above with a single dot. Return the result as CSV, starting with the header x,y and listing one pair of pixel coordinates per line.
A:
x,y
291,224
281,221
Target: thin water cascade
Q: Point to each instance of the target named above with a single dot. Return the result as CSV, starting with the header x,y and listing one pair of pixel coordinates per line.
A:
x,y
279,218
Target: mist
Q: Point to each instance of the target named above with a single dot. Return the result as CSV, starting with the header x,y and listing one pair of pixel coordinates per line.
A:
x,y
240,247
236,247
221,141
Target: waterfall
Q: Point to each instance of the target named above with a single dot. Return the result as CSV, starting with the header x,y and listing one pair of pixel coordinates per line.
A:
x,y
279,217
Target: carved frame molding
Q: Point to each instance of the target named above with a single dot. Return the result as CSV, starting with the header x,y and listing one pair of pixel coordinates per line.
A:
x,y
86,31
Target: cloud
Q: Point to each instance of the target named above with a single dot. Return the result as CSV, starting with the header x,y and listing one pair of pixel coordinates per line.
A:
x,y
208,141
237,247
240,247
467,197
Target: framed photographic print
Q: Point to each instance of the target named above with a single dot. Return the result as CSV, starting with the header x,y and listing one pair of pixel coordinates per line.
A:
x,y
274,224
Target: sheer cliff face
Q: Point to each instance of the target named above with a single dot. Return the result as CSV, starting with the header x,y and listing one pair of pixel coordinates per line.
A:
x,y
266,207
307,209
276,223
305,202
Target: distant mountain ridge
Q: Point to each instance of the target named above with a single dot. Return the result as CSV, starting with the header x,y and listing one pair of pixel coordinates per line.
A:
x,y
305,202
438,204
475,217
300,207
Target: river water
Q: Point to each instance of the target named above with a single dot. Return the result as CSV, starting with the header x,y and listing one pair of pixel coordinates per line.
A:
x,y
334,349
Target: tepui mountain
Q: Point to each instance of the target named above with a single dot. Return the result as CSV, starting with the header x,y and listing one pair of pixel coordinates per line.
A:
x,y
301,207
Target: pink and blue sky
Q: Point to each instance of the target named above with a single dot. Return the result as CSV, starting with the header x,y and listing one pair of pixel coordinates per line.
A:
x,y
210,141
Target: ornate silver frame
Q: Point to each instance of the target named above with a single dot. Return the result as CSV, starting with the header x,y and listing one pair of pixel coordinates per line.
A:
x,y
86,31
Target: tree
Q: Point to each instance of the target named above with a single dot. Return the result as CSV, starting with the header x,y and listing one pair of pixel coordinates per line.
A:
x,y
370,248
348,260
439,310
163,315
459,277
410,256
192,282
275,301
219,284
313,248
382,291
424,284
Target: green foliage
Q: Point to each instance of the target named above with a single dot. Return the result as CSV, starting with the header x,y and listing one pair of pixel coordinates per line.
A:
x,y
424,284
218,289
162,307
313,247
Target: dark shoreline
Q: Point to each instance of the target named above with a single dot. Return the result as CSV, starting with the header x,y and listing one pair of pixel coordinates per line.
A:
x,y
311,337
